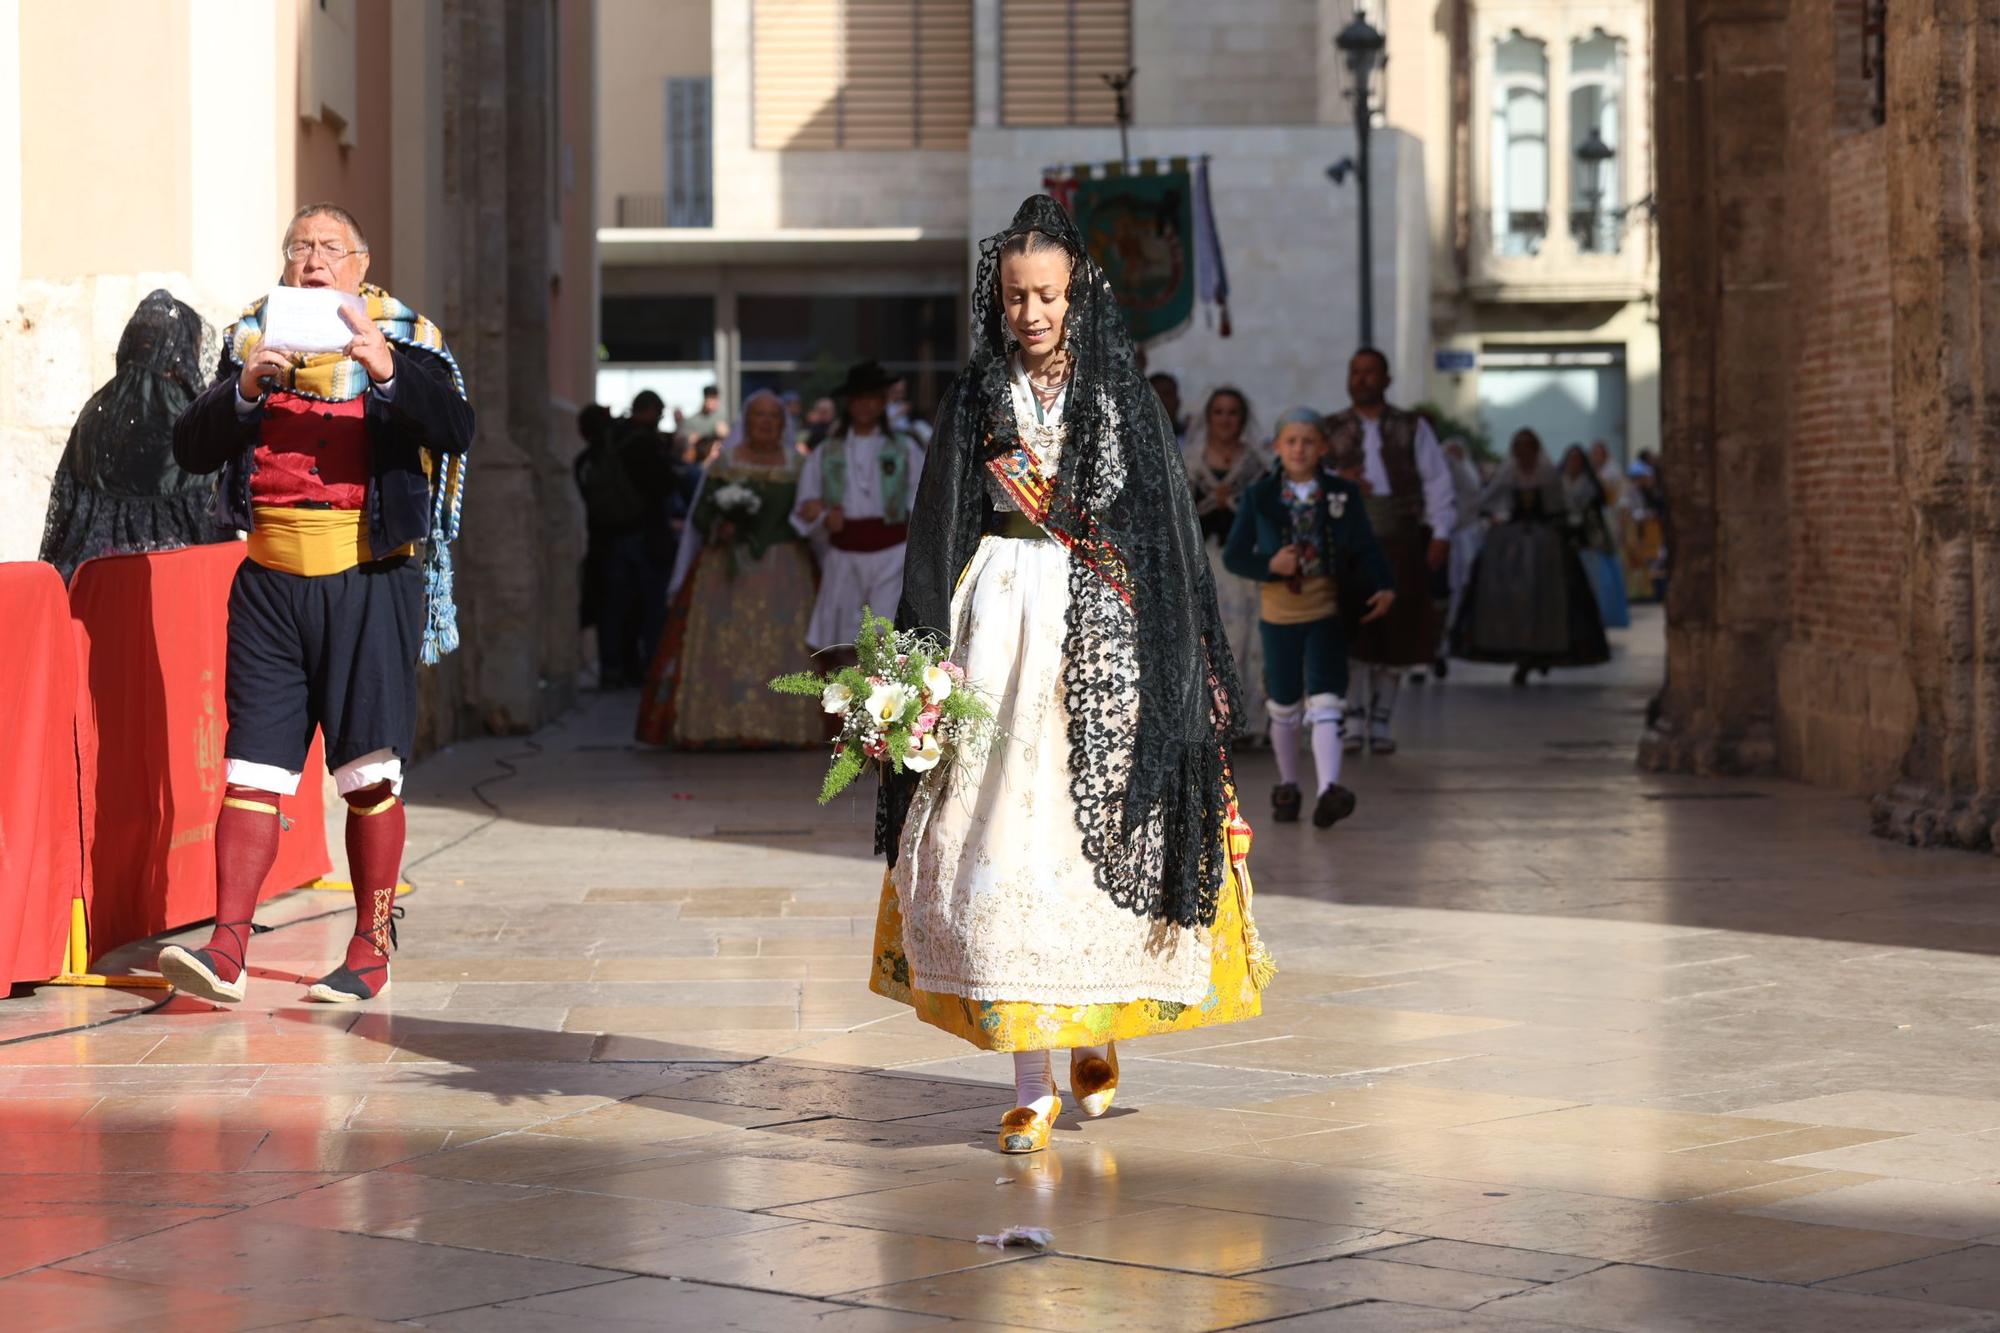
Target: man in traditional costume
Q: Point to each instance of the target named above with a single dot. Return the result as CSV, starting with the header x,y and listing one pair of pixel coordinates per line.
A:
x,y
854,496
340,466
1413,508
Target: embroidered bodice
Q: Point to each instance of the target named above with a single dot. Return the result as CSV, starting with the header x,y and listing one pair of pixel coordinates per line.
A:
x,y
1041,430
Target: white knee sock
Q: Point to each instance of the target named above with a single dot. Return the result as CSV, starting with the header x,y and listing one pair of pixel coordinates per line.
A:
x,y
1323,714
1286,720
1385,681
1035,1082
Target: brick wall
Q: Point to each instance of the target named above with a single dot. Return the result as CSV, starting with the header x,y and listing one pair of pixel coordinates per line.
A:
x,y
1846,579
1844,699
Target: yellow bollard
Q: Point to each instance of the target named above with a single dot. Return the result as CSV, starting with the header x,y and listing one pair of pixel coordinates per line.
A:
x,y
79,973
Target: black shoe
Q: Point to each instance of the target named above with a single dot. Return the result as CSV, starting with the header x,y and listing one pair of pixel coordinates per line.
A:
x,y
345,985
1521,674
1285,803
1441,668
1335,804
1418,677
197,972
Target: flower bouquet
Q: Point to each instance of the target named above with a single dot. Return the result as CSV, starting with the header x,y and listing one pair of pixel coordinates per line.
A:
x,y
904,705
725,518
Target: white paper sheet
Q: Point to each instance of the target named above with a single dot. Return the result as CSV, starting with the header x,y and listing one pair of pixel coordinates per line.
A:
x,y
307,319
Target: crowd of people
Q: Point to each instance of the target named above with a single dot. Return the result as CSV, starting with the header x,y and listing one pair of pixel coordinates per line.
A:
x,y
1351,552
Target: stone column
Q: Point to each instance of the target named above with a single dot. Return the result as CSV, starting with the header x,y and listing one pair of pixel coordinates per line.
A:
x,y
1720,88
516,582
1944,173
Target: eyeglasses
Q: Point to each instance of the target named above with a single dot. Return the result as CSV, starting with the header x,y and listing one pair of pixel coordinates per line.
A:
x,y
335,251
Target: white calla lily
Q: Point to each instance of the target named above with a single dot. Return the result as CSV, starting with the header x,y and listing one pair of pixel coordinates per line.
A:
x,y
836,698
937,684
887,703
924,754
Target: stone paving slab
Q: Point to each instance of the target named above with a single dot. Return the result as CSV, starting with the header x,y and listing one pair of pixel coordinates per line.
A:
x,y
1557,1045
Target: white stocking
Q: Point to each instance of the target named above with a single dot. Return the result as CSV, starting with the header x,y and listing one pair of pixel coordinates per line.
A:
x,y
1286,720
1386,681
1323,714
1035,1082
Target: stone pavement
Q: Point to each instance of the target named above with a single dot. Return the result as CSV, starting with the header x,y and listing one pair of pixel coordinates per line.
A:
x,y
1557,1045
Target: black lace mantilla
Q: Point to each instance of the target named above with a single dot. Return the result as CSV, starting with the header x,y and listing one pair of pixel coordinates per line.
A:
x,y
1150,686
117,489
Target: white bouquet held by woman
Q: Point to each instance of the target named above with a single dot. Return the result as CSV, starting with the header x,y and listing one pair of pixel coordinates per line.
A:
x,y
737,499
904,705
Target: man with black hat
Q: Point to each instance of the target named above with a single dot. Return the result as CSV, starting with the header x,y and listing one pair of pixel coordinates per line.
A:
x,y
854,499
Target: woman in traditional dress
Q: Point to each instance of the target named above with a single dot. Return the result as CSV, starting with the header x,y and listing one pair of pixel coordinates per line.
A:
x,y
1583,490
1223,462
117,489
1530,601
741,595
1078,883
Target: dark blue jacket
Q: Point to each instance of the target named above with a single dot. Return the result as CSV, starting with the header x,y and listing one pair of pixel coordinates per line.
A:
x,y
1264,527
425,412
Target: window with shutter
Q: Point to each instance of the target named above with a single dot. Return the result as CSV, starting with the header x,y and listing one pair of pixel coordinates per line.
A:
x,y
690,195
881,74
1054,55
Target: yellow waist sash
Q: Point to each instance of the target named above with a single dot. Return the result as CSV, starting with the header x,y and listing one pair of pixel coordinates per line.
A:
x,y
313,542
1316,599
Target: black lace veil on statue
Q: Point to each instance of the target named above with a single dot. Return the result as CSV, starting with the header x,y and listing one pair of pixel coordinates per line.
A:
x,y
117,489
1149,686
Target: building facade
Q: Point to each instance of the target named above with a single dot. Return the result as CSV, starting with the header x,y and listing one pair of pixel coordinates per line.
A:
x,y
789,184
1536,114
1829,417
204,125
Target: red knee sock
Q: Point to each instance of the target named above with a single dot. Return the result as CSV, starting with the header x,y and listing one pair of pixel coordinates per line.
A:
x,y
375,863
246,846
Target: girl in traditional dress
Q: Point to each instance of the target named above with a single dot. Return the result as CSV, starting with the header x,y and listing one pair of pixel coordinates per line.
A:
x,y
1079,882
1223,463
1530,601
1584,491
741,596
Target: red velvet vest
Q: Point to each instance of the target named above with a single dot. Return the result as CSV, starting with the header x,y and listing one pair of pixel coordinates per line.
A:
x,y
311,453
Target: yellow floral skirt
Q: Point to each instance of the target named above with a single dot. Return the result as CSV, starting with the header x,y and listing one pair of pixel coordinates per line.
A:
x,y
1239,969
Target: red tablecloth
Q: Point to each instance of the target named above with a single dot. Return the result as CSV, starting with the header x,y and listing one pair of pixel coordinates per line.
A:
x,y
152,635
41,844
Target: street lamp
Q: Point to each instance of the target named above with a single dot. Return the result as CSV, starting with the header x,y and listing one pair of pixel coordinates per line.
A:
x,y
1360,45
1593,153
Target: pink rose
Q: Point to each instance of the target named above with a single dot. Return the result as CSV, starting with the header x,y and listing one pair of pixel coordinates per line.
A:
x,y
926,721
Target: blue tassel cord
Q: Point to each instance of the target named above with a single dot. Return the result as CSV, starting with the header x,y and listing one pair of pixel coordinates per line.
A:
x,y
441,612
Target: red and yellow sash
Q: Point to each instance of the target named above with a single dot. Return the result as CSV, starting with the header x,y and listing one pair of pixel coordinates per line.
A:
x,y
1035,494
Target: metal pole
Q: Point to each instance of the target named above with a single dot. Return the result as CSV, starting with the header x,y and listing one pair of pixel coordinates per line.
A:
x,y
1367,220
1120,85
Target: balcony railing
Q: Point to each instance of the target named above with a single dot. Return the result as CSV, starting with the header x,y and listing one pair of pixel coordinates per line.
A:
x,y
642,210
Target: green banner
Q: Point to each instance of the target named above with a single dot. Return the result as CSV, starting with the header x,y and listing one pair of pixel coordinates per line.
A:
x,y
1140,230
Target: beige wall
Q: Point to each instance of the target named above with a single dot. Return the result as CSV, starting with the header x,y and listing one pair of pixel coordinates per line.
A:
x,y
82,144
573,284
640,45
105,194
1247,62
353,167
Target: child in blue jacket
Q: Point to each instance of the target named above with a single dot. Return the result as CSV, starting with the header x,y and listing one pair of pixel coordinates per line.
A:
x,y
1304,534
